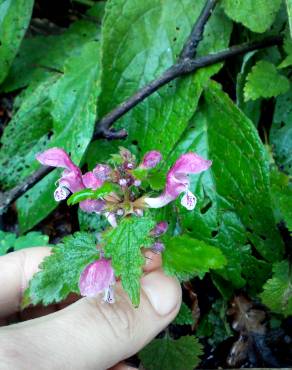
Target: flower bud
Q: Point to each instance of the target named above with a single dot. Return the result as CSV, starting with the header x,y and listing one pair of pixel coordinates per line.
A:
x,y
151,159
159,229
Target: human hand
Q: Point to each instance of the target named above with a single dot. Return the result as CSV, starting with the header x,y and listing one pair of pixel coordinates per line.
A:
x,y
88,334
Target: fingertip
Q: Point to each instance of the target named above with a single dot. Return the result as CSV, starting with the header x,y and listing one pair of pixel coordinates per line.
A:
x,y
153,261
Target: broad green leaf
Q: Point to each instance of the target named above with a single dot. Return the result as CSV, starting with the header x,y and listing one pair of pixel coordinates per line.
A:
x,y
73,109
289,12
281,190
184,316
123,245
186,257
59,273
32,239
170,354
40,56
264,81
7,241
139,41
234,209
257,15
277,294
84,194
14,19
281,132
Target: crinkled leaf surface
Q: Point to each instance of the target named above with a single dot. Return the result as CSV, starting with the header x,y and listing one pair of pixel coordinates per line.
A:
x,y
184,316
60,272
264,81
257,15
281,132
32,239
139,41
169,354
123,245
186,257
234,207
277,294
14,19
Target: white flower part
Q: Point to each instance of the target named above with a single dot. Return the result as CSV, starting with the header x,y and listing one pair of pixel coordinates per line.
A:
x,y
123,182
109,296
61,193
188,200
111,219
137,183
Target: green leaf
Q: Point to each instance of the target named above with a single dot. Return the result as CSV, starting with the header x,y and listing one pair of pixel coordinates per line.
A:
x,y
140,41
40,56
60,272
214,325
281,132
32,239
84,194
289,12
123,245
169,354
265,81
92,222
186,257
7,241
14,19
73,111
257,15
277,294
234,210
184,316
281,190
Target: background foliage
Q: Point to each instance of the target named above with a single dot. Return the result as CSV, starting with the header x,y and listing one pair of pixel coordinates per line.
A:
x,y
62,80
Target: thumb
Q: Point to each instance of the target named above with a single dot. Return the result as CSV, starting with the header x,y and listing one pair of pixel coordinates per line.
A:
x,y
91,334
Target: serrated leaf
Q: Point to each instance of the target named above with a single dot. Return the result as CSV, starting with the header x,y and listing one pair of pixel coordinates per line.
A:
x,y
184,316
234,210
281,132
186,257
32,239
264,81
14,19
123,245
7,241
277,294
136,60
257,15
92,222
59,273
169,354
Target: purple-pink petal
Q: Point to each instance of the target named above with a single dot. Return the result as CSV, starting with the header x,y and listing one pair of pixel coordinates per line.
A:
x,y
160,228
92,205
151,159
72,180
102,172
90,181
56,157
96,278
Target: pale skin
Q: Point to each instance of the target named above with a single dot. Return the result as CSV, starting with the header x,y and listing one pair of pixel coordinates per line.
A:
x,y
87,334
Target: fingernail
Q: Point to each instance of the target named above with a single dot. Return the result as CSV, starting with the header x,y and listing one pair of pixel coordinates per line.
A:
x,y
163,292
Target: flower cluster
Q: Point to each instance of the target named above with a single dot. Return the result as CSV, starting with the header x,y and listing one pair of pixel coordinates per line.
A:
x,y
127,196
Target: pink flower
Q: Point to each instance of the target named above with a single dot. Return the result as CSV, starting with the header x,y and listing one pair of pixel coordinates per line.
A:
x,y
98,277
177,181
158,247
159,229
151,159
72,179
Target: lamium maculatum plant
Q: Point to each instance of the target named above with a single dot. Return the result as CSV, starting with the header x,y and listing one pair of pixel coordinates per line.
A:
x,y
121,191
